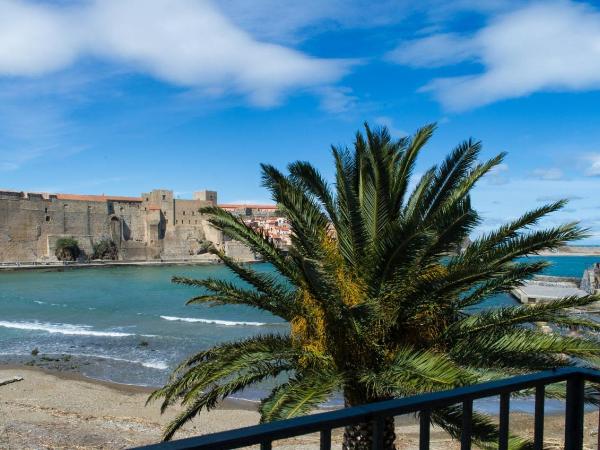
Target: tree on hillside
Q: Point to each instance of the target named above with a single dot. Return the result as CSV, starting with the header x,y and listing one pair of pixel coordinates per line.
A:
x,y
379,304
67,249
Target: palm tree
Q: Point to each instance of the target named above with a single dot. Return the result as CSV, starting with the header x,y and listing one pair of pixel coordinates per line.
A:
x,y
380,304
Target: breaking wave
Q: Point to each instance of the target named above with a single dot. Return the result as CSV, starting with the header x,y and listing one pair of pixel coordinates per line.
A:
x,y
227,323
151,364
62,328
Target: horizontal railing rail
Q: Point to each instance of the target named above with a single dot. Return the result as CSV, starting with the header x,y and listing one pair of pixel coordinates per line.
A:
x,y
325,422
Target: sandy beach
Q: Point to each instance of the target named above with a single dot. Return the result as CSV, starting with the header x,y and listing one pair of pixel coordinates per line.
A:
x,y
66,411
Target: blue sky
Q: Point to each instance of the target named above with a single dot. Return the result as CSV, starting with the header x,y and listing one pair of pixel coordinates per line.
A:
x,y
122,96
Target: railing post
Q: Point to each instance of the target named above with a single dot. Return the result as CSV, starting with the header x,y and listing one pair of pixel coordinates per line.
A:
x,y
424,430
325,441
378,433
574,413
538,433
504,421
467,419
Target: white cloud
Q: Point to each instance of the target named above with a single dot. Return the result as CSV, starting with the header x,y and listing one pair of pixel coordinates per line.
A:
x,y
388,122
498,175
36,39
337,100
593,164
184,42
290,21
434,51
552,173
543,46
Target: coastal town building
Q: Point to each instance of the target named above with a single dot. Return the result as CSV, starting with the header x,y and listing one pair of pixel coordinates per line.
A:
x,y
544,288
153,226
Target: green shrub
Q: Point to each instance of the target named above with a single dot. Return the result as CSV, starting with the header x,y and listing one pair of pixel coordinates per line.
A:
x,y
105,249
204,247
67,249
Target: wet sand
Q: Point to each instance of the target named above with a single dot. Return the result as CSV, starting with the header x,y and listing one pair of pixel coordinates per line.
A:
x,y
54,410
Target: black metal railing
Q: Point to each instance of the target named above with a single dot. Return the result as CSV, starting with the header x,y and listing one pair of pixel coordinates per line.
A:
x,y
375,413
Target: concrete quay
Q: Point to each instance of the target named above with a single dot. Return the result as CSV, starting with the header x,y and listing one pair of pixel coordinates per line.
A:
x,y
58,266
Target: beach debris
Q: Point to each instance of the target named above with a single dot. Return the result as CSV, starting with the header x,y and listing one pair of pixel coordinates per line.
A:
x,y
10,380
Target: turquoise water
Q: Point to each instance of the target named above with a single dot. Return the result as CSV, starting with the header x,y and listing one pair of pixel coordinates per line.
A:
x,y
132,317
131,323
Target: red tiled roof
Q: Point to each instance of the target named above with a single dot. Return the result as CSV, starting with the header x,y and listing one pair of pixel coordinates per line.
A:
x,y
243,205
97,198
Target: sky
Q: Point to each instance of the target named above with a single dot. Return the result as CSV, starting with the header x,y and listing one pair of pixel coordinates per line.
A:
x,y
124,96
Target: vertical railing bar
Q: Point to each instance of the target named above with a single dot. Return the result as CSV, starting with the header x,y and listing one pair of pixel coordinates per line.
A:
x,y
598,431
574,413
538,433
504,421
424,429
325,441
467,419
265,445
378,433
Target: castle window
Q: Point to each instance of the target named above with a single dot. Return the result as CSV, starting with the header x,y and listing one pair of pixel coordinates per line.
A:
x,y
192,213
175,221
47,218
164,197
196,222
46,210
189,222
184,213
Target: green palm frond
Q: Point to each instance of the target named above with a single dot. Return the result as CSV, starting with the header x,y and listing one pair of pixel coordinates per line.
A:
x,y
521,347
414,371
222,361
197,400
301,394
495,319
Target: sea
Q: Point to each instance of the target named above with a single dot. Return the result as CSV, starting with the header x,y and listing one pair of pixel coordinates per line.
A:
x,y
130,325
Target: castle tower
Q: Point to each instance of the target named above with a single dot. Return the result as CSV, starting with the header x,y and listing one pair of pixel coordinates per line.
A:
x,y
207,196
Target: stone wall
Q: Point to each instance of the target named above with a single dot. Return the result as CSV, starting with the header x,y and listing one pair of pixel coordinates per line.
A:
x,y
153,226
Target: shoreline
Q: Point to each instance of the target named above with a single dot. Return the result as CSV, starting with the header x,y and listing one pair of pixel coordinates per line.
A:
x,y
60,267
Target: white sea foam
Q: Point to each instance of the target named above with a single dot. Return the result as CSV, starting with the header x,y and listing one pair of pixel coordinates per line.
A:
x,y
39,302
61,328
151,364
227,323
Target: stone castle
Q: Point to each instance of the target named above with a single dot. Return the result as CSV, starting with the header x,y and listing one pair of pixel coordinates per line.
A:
x,y
151,227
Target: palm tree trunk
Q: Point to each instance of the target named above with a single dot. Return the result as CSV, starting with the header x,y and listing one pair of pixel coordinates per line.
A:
x,y
360,436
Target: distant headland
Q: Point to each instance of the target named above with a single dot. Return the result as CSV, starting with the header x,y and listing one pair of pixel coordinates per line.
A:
x,y
573,250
